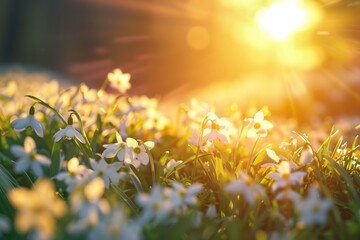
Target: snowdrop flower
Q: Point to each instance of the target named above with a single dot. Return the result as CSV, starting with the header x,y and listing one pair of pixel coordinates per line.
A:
x,y
87,199
211,211
119,80
288,193
28,158
306,156
284,177
112,225
74,175
217,129
258,126
246,186
37,209
273,156
108,172
93,228
181,196
196,111
69,133
115,149
21,124
292,143
172,164
313,209
136,152
154,120
155,205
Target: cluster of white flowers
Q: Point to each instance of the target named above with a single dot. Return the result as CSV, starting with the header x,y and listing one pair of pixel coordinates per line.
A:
x,y
130,152
162,203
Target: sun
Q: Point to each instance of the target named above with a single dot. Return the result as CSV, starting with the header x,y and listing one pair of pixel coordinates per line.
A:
x,y
283,18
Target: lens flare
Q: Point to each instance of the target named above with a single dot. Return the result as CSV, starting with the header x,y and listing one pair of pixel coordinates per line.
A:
x,y
283,18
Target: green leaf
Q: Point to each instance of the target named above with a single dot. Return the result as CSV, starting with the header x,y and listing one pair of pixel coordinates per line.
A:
x,y
125,199
135,180
7,181
94,141
261,155
140,178
347,179
55,159
161,166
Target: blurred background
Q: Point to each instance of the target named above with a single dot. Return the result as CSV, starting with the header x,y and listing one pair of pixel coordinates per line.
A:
x,y
299,57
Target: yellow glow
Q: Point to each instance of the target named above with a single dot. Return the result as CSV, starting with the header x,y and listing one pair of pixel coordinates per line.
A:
x,y
198,38
283,18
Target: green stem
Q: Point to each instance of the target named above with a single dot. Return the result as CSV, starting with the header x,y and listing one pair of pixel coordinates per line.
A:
x,y
87,144
250,161
198,148
38,100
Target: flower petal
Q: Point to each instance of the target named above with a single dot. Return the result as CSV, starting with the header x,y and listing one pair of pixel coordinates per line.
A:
x,y
59,135
18,151
42,159
22,165
20,124
259,116
109,152
266,124
149,144
29,145
36,168
121,155
38,127
79,137
132,142
119,138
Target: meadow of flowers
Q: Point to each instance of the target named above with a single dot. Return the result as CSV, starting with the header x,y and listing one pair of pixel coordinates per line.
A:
x,y
81,163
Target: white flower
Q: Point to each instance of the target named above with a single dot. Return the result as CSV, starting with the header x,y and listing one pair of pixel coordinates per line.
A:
x,y
136,152
108,172
271,154
87,200
69,133
115,149
288,193
258,126
246,186
21,124
217,129
28,158
284,177
313,209
306,156
37,209
93,228
119,80
172,164
181,196
211,211
155,205
196,111
74,175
